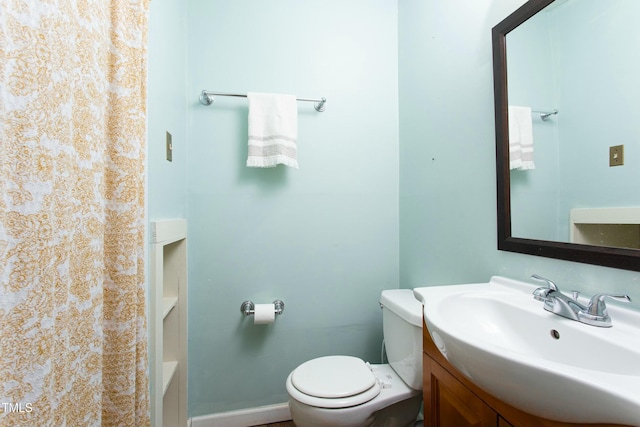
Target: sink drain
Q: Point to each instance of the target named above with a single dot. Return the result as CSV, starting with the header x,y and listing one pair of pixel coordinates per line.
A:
x,y
555,334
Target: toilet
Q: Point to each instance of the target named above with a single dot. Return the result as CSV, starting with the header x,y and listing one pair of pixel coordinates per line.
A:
x,y
345,391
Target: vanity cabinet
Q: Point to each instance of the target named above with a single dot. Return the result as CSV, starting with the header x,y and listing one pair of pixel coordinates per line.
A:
x,y
449,403
451,400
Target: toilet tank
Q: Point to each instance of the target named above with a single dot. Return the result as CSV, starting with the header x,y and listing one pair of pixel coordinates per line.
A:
x,y
402,328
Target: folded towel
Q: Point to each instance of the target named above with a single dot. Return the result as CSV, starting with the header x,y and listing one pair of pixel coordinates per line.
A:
x,y
273,130
520,138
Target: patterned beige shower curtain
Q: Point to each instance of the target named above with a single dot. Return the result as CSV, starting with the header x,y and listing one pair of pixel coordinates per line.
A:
x,y
73,340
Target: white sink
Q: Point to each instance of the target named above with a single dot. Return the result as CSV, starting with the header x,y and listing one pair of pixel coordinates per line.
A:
x,y
503,340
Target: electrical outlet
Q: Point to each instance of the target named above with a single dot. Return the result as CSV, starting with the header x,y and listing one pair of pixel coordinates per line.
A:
x,y
169,147
616,155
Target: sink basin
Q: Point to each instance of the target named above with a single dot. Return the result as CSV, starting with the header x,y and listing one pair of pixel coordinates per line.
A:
x,y
503,340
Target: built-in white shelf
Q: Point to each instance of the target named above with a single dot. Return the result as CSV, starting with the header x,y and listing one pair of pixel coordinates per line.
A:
x,y
614,227
167,305
168,371
168,355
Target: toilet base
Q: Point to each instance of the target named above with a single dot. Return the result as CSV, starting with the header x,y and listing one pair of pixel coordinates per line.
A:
x,y
400,414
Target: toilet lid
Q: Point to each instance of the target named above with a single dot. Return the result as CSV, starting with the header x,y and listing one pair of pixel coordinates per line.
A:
x,y
333,377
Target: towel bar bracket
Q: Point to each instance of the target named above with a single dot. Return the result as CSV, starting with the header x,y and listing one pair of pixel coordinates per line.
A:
x,y
544,115
205,98
319,106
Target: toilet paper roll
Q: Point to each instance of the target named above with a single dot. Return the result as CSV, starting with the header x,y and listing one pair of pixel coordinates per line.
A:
x,y
264,314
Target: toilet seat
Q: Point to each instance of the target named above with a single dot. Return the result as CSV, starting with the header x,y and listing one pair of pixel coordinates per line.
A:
x,y
333,382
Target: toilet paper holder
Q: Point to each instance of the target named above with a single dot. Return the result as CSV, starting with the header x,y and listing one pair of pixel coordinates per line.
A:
x,y
248,308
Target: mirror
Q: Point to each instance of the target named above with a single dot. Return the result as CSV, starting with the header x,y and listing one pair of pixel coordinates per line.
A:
x,y
575,59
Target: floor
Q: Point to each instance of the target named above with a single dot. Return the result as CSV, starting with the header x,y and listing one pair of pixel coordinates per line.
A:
x,y
282,424
291,424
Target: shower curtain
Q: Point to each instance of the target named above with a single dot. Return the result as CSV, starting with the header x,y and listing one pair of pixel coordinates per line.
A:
x,y
73,339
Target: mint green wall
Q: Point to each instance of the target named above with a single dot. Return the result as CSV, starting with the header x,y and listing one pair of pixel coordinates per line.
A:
x,y
532,83
606,114
447,155
323,238
167,109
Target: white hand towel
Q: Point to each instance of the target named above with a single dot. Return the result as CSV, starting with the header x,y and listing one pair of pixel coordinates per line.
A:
x,y
520,138
273,130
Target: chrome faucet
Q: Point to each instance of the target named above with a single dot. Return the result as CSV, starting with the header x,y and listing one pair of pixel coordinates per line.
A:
x,y
595,313
557,302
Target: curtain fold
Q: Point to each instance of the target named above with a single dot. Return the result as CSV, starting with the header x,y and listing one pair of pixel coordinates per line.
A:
x,y
73,333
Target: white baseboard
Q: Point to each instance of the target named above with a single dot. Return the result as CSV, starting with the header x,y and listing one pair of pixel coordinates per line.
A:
x,y
245,417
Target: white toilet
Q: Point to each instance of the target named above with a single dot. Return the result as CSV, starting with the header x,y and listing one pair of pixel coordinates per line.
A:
x,y
344,391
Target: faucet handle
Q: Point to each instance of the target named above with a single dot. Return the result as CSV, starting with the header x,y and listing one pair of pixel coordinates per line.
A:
x,y
542,294
549,283
597,306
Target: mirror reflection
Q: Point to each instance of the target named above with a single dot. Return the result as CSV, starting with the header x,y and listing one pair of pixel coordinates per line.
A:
x,y
574,123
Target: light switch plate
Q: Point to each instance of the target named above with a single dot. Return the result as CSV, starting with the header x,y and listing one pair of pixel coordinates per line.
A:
x,y
169,147
616,155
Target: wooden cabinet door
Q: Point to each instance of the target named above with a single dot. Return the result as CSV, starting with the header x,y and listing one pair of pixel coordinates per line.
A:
x,y
449,403
503,423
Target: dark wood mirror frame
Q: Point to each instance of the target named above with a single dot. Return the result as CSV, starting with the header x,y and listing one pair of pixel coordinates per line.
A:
x,y
628,259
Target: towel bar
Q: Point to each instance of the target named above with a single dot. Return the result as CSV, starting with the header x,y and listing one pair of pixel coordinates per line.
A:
x,y
207,98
